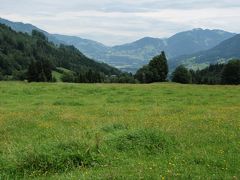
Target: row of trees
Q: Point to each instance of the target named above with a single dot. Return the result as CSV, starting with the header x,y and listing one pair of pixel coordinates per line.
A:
x,y
95,77
89,76
214,74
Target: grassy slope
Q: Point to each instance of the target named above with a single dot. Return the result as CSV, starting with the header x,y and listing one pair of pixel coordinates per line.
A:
x,y
57,76
119,131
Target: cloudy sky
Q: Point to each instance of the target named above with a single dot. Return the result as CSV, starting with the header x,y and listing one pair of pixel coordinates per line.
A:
x,y
119,21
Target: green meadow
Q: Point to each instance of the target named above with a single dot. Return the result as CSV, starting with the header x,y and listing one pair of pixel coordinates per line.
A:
x,y
118,131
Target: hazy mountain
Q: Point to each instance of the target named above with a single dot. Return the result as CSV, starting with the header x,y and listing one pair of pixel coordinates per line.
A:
x,y
133,55
19,26
183,43
196,40
226,50
27,28
91,48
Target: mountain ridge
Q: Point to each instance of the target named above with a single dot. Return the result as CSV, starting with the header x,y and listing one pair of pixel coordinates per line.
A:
x,y
131,56
226,50
18,50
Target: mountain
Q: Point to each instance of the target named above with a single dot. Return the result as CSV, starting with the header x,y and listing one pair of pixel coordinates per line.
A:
x,y
183,43
226,50
28,28
187,42
84,45
18,50
91,48
131,56
20,27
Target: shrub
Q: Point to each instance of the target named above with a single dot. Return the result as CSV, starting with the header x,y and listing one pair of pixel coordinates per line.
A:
x,y
181,75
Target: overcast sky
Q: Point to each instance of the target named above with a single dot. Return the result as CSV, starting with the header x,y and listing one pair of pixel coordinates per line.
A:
x,y
119,21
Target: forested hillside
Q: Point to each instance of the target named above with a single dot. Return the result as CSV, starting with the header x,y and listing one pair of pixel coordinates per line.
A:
x,y
18,50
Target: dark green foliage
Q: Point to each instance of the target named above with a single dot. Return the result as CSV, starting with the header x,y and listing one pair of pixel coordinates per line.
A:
x,y
155,71
158,65
181,75
144,75
1,76
231,72
40,71
214,74
19,75
209,75
39,35
69,77
122,78
18,51
89,76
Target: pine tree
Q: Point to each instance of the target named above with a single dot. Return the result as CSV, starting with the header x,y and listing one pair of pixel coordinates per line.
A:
x,y
159,67
40,71
32,74
231,72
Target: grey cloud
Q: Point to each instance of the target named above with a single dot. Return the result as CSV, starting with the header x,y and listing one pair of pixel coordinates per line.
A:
x,y
121,21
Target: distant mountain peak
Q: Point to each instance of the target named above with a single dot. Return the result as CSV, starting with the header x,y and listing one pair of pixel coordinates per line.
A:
x,y
198,29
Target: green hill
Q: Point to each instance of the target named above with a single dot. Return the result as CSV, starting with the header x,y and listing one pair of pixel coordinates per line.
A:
x,y
17,50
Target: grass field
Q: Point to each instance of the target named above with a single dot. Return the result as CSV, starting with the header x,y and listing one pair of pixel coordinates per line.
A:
x,y
110,131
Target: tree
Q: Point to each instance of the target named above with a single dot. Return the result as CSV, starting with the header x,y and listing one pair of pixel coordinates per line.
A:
x,y
159,67
19,75
123,78
46,70
155,71
181,75
231,72
1,76
90,76
40,71
144,75
68,77
39,35
32,73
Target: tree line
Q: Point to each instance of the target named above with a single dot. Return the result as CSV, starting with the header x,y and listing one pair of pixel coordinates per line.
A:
x,y
228,73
